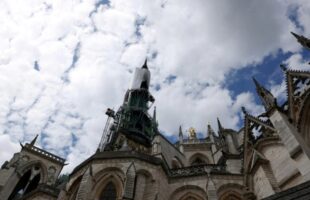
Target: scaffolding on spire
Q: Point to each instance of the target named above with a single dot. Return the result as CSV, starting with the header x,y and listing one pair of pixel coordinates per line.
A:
x,y
107,131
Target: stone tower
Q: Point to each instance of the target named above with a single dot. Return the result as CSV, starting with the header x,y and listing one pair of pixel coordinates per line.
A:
x,y
32,171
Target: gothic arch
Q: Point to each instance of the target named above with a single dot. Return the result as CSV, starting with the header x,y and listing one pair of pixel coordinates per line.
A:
x,y
22,169
231,195
191,196
230,191
118,172
73,189
198,159
108,176
188,192
27,178
109,192
304,120
146,173
176,163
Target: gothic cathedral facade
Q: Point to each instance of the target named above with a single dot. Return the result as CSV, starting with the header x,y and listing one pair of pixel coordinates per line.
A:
x,y
269,158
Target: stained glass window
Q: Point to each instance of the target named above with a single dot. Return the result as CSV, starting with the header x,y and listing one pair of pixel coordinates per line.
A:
x,y
109,192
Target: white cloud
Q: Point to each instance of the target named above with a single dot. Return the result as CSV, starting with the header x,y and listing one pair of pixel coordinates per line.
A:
x,y
7,148
86,55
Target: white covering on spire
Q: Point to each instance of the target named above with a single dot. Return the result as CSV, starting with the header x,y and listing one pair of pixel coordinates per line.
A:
x,y
141,75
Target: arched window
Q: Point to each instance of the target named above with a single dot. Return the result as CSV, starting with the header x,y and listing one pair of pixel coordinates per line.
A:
x,y
27,183
198,161
230,192
232,196
109,192
176,163
191,196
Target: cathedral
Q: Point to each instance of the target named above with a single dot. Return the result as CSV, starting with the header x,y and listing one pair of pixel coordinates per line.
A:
x,y
268,158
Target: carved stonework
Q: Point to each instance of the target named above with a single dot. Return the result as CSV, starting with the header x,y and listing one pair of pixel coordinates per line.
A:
x,y
298,84
51,175
256,128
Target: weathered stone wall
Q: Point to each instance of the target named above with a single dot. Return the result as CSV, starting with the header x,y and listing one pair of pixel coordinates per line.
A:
x,y
232,148
234,166
240,136
203,151
283,167
262,186
167,150
151,180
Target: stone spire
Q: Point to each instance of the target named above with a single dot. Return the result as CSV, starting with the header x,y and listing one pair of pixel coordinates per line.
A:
x,y
141,78
211,133
210,130
220,127
154,114
267,99
145,65
305,42
34,140
180,134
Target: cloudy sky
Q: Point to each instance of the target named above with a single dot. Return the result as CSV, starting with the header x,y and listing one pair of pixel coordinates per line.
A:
x,y
63,63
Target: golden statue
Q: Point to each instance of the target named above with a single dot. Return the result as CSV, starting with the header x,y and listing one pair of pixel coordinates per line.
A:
x,y
192,133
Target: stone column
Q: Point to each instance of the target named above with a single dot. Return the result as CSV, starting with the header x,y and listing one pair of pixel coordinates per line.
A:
x,y
140,189
85,185
211,189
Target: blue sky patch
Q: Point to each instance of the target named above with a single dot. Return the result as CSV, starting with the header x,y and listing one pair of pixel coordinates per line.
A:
x,y
265,73
170,79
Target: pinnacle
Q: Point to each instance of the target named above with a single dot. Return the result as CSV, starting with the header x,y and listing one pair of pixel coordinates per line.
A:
x,y
220,127
295,35
180,131
34,140
256,83
244,110
283,67
145,65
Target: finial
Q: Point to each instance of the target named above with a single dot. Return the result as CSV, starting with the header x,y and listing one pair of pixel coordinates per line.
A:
x,y
256,82
210,130
154,113
265,95
303,41
244,110
180,131
145,64
34,140
283,67
295,35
